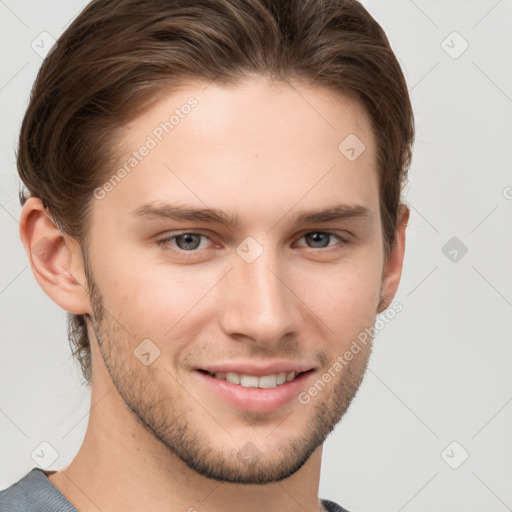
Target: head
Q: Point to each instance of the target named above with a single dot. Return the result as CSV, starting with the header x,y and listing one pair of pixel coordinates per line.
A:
x,y
258,113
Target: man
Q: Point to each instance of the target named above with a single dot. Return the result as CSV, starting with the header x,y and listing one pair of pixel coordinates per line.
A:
x,y
214,195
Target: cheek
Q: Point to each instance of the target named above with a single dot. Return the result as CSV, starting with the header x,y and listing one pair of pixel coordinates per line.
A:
x,y
158,300
345,298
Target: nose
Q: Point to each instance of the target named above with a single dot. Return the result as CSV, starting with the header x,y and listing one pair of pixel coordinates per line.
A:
x,y
258,300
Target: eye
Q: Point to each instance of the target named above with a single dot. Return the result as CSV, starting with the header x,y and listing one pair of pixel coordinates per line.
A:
x,y
190,241
185,242
321,239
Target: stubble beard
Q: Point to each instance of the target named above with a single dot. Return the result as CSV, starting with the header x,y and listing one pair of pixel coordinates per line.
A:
x,y
163,412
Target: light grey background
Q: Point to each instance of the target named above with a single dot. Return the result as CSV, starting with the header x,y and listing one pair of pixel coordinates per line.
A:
x,y
441,370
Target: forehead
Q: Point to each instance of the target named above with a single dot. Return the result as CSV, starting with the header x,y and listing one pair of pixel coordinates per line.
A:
x,y
240,146
243,109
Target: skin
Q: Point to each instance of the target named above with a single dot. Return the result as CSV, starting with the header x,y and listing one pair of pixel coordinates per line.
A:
x,y
158,438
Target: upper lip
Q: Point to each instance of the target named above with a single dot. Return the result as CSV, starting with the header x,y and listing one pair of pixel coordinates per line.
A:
x,y
250,368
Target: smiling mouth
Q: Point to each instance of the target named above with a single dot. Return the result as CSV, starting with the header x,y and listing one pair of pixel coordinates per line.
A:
x,y
254,381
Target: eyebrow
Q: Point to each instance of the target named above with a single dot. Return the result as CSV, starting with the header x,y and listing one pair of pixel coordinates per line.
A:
x,y
152,211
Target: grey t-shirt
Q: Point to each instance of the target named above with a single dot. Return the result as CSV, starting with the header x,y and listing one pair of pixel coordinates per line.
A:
x,y
35,493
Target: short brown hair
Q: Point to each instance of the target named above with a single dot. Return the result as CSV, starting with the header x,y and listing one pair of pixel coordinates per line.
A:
x,y
119,55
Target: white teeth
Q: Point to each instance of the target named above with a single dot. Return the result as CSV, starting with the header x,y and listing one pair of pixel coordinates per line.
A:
x,y
249,381
268,381
253,381
232,377
290,376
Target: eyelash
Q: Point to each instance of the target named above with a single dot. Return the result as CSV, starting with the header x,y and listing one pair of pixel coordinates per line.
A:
x,y
164,242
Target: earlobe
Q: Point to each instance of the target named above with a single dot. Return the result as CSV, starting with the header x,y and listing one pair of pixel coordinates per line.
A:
x,y
392,270
55,259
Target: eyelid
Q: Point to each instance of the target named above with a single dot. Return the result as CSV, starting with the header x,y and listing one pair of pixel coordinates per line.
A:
x,y
175,234
163,242
327,232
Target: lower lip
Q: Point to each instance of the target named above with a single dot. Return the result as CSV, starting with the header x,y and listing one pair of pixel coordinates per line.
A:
x,y
255,399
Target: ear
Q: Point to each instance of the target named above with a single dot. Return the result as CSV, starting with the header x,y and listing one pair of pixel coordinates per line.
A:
x,y
56,259
392,270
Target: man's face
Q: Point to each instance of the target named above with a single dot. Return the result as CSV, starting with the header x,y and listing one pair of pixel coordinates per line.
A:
x,y
259,299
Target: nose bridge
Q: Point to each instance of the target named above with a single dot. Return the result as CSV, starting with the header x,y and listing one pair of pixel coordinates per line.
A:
x,y
257,300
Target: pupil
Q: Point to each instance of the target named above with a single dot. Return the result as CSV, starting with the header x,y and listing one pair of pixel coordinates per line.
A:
x,y
188,238
317,237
